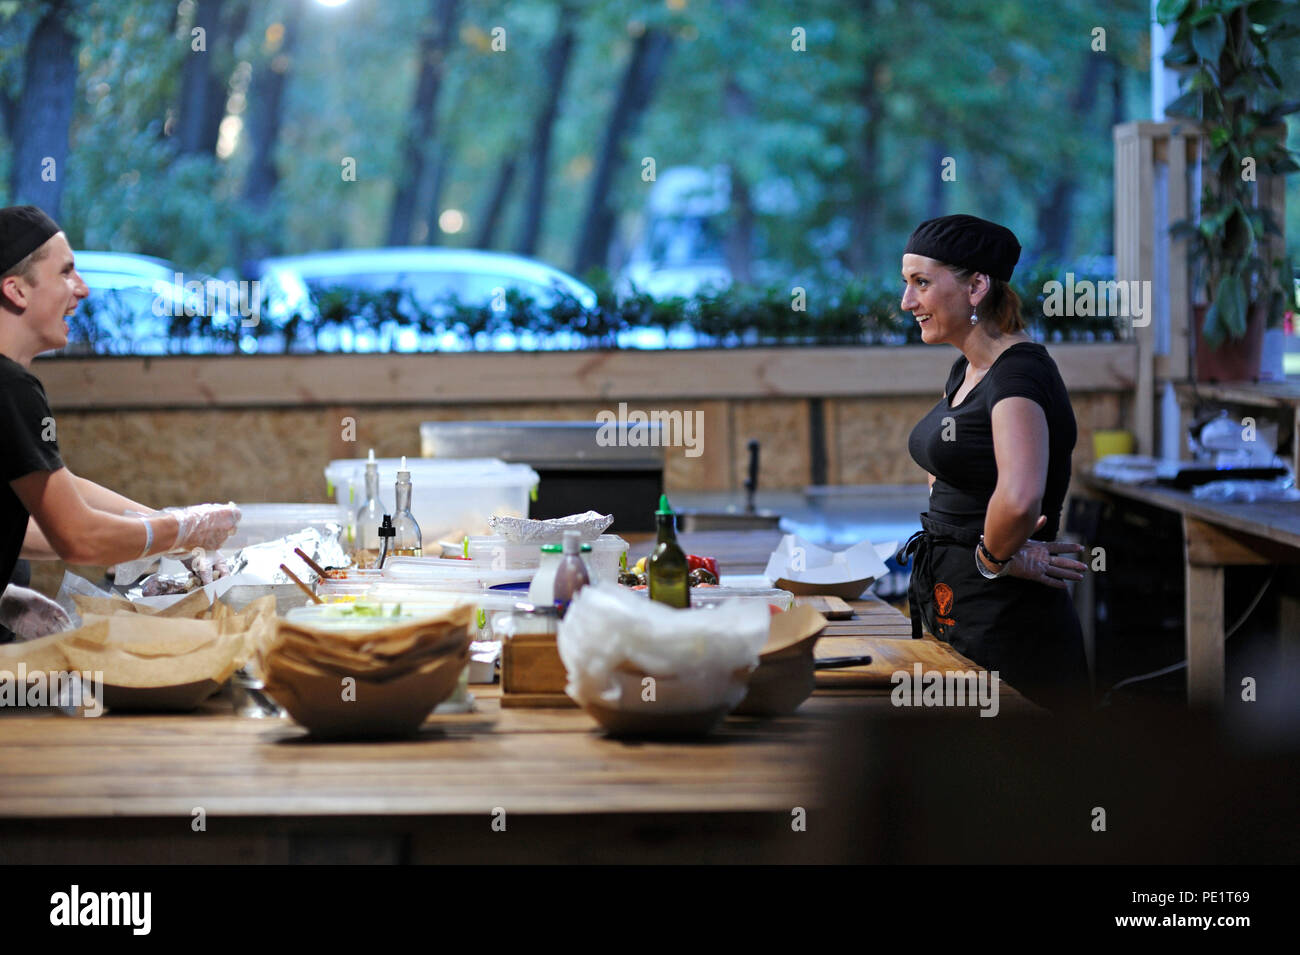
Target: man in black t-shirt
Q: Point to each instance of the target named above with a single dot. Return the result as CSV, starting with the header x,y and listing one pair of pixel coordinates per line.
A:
x,y
46,512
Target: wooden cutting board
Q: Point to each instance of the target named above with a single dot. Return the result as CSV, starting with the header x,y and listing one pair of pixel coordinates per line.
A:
x,y
888,655
832,608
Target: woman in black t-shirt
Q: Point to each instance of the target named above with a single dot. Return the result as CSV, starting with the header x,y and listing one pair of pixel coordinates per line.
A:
x,y
987,574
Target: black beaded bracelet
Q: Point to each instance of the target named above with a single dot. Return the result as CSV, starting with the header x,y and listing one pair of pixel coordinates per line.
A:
x,y
990,558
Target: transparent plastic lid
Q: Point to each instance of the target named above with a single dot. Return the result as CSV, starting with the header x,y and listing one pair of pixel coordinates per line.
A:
x,y
432,472
452,574
712,596
360,617
424,598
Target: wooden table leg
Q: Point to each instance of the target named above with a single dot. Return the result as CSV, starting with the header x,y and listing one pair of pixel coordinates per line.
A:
x,y
1204,636
1208,549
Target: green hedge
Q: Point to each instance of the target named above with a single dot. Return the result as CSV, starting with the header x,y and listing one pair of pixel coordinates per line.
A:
x,y
853,313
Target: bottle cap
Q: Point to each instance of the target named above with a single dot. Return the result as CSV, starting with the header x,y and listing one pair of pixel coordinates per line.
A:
x,y
403,474
664,506
386,528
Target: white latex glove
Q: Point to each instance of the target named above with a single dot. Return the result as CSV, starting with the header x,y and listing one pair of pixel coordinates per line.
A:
x,y
205,526
30,614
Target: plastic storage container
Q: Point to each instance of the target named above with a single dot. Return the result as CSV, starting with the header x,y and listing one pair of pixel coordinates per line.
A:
x,y
436,574
449,498
713,596
266,522
608,552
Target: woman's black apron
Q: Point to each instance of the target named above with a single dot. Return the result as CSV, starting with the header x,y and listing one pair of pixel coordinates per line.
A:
x,y
1026,631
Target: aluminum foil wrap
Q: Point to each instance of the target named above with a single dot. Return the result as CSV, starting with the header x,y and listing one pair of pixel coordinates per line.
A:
x,y
254,565
521,530
263,560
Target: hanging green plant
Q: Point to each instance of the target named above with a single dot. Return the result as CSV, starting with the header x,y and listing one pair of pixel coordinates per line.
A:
x,y
1236,95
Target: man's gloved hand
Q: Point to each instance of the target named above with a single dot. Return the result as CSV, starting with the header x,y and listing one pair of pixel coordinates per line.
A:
x,y
205,526
30,614
207,566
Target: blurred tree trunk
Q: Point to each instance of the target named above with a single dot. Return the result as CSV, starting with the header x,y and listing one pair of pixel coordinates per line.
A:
x,y
485,236
266,101
266,107
866,215
43,113
1116,117
539,158
205,76
936,204
739,245
740,235
649,54
437,181
435,41
1056,206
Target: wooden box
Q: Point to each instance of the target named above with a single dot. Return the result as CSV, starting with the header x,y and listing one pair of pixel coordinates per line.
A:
x,y
532,673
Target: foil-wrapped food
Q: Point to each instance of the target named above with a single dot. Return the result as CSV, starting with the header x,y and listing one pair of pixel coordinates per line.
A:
x,y
521,530
258,563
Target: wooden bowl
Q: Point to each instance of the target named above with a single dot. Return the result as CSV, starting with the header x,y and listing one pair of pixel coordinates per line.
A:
x,y
845,590
389,708
787,666
780,684
662,718
643,722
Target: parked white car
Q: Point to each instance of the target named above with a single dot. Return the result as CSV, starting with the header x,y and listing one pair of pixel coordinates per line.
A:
x,y
141,305
429,275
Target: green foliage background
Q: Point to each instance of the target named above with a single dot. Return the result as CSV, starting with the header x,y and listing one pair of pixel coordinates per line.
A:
x,y
987,84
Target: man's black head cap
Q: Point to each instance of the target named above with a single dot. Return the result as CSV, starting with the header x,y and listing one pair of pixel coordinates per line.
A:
x,y
969,242
23,230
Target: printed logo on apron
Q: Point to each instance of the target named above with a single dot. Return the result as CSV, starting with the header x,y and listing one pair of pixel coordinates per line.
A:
x,y
943,604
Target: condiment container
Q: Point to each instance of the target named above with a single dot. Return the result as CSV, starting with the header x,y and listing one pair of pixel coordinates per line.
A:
x,y
571,573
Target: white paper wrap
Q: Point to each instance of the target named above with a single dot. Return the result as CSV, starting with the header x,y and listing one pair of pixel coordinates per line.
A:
x,y
699,658
797,560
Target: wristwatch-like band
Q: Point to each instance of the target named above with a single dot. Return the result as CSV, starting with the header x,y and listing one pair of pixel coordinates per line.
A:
x,y
1003,565
989,556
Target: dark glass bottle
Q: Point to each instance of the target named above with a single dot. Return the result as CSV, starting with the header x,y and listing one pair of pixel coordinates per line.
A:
x,y
666,571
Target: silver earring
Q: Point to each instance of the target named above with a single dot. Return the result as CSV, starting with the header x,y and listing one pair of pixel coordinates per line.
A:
x,y
974,319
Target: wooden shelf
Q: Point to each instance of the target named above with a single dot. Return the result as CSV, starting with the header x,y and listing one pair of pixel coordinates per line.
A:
x,y
1272,395
1264,394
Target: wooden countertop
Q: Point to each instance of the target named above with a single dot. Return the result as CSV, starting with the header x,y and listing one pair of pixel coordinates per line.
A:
x,y
1272,520
532,761
126,787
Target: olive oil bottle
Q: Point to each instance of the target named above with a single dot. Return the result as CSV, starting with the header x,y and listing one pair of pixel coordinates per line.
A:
x,y
365,523
407,542
666,571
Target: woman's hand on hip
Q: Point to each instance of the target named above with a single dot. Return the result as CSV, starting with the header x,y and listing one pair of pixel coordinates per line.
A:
x,y
1046,563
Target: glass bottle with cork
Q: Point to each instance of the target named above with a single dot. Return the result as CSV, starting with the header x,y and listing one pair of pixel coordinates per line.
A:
x,y
407,542
667,571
